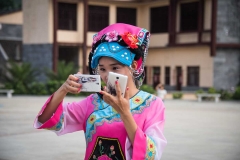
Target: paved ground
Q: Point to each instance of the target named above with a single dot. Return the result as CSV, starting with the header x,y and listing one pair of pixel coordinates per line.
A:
x,y
195,131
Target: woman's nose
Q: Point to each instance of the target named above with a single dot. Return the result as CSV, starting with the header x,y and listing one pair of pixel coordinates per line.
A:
x,y
105,77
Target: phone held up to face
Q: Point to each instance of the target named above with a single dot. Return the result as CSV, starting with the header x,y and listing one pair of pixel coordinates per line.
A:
x,y
112,78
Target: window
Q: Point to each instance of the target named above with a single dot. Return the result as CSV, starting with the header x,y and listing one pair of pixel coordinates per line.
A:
x,y
167,75
193,76
69,54
11,50
156,76
189,16
126,15
98,18
159,19
67,16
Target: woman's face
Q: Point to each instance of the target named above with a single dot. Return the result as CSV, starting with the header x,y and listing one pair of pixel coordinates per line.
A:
x,y
107,64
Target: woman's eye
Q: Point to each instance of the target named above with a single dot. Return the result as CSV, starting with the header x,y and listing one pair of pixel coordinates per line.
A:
x,y
102,69
115,68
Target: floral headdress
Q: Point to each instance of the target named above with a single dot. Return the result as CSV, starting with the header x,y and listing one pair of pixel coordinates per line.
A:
x,y
124,43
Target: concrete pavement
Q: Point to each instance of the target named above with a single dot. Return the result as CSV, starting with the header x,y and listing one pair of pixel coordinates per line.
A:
x,y
195,131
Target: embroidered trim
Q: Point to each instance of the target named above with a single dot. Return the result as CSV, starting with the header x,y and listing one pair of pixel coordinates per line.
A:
x,y
91,119
146,103
151,149
92,130
98,103
101,109
58,126
107,149
137,100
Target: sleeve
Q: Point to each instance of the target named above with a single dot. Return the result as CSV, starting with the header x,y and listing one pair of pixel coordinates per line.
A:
x,y
149,142
69,117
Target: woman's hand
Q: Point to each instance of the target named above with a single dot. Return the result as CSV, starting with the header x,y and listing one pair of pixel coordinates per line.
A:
x,y
118,102
71,85
122,106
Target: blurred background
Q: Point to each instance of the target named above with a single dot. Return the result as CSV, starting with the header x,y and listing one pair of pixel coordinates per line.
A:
x,y
195,44
194,49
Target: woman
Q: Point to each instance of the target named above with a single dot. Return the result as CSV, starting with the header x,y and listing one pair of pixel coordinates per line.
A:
x,y
161,92
115,127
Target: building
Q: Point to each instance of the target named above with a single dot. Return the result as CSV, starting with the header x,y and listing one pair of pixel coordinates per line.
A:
x,y
10,38
194,43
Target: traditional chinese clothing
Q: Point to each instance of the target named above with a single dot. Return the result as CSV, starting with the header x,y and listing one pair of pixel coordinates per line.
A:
x,y
105,134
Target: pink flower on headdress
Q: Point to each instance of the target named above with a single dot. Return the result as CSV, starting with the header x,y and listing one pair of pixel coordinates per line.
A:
x,y
141,34
130,40
111,36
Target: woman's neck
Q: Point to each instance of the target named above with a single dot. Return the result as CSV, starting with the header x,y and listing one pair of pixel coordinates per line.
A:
x,y
132,90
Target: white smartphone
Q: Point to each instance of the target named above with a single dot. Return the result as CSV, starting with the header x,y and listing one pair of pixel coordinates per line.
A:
x,y
112,78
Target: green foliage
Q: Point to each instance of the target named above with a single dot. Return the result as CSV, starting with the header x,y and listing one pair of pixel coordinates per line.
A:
x,y
225,95
19,77
177,95
53,85
147,88
199,92
212,90
38,88
63,71
236,94
57,79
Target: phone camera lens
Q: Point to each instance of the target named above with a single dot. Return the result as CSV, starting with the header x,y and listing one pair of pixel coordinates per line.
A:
x,y
117,77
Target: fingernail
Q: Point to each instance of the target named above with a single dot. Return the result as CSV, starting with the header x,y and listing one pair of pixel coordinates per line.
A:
x,y
127,88
116,82
79,89
101,92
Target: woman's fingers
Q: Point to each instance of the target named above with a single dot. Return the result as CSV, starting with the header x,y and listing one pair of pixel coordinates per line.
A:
x,y
108,98
118,89
126,96
72,85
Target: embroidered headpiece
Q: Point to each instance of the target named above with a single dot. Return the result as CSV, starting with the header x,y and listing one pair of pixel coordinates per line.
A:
x,y
124,43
